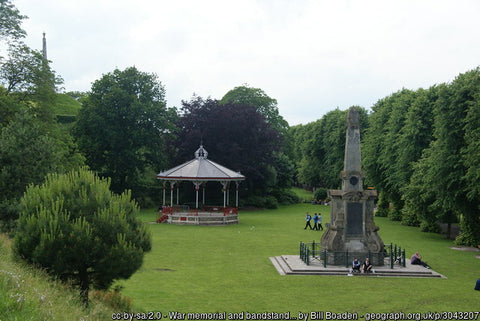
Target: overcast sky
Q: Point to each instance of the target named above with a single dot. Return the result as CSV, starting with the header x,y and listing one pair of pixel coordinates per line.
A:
x,y
312,56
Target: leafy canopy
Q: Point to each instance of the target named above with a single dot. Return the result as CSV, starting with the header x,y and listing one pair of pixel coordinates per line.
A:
x,y
123,126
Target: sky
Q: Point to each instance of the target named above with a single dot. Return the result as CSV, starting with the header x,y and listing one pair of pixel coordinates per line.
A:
x,y
311,56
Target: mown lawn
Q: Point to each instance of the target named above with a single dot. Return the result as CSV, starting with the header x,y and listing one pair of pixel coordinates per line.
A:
x,y
227,268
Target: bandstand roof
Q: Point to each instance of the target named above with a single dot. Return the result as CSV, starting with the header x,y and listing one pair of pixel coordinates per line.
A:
x,y
200,169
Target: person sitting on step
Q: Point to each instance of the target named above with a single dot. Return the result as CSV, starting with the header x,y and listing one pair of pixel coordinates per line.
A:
x,y
355,266
416,259
367,266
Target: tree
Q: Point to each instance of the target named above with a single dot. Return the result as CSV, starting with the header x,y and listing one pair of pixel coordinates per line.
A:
x,y
235,135
322,145
266,106
10,22
123,126
471,156
77,229
30,150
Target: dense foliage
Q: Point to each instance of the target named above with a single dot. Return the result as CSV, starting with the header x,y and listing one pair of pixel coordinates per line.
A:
x,y
318,148
77,229
123,127
235,135
265,105
422,154
32,144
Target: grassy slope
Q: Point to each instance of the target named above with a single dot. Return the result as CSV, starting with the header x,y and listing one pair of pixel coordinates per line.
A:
x,y
66,105
304,195
227,268
28,294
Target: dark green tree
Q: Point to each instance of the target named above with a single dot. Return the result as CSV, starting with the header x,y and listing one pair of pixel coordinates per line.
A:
x,y
415,137
236,136
78,230
322,145
471,156
400,128
123,127
30,150
265,105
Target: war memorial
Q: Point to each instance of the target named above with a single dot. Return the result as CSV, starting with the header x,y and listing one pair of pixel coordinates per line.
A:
x,y
352,232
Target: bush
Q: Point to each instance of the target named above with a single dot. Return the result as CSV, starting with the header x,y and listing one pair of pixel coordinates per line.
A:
x,y
429,227
271,202
77,229
286,196
320,193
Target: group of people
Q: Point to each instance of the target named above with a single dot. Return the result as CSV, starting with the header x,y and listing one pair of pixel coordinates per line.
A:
x,y
317,222
366,266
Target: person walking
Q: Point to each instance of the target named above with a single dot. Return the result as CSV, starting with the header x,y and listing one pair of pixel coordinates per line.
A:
x,y
319,225
315,222
308,218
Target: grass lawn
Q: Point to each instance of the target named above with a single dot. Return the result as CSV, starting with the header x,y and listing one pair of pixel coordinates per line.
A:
x,y
227,268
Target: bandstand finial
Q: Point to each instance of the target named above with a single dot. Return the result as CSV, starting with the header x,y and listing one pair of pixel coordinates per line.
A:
x,y
201,152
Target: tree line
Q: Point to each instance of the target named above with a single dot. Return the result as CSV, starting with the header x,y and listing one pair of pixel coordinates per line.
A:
x,y
420,150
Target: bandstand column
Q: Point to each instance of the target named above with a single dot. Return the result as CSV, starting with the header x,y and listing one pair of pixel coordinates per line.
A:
x,y
224,184
163,184
172,184
178,194
236,194
197,185
228,194
204,186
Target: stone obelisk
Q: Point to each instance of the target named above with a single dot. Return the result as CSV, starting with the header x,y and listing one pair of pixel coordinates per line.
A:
x,y
352,231
44,47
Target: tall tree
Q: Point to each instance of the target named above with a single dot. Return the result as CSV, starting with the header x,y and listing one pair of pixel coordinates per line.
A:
x,y
235,135
123,126
415,138
322,145
265,105
471,157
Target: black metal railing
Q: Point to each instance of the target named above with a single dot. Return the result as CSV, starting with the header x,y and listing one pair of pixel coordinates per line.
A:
x,y
313,250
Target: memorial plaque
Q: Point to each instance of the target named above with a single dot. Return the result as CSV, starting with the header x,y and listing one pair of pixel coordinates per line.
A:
x,y
354,219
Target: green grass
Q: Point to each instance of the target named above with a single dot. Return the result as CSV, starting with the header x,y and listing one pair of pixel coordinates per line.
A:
x,y
304,195
227,268
66,105
29,294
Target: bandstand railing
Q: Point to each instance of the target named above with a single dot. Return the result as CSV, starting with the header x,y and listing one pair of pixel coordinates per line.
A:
x,y
182,214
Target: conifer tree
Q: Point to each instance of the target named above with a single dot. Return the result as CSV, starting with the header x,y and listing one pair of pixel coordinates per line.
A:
x,y
77,229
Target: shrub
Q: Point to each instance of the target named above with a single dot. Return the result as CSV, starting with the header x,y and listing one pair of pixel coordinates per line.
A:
x,y
271,202
320,193
286,196
77,229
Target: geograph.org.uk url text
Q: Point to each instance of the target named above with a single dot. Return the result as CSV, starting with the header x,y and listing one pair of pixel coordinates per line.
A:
x,y
300,316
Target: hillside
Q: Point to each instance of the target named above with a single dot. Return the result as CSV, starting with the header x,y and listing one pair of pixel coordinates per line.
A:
x,y
29,294
67,106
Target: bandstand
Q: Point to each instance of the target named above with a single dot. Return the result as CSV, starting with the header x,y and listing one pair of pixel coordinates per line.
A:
x,y
199,171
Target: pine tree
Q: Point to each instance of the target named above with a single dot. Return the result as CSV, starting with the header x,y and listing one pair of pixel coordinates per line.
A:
x,y
77,229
